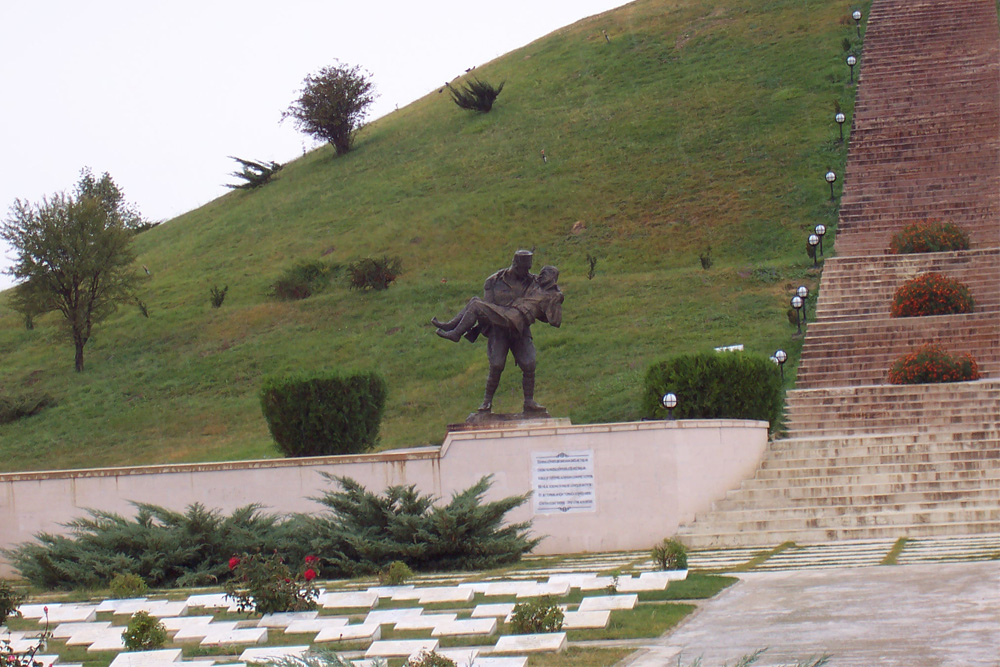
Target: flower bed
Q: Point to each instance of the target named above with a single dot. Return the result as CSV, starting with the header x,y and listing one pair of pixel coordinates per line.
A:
x,y
931,294
929,236
931,363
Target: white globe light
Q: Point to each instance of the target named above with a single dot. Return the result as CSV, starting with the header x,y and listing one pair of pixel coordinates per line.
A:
x,y
852,61
840,118
813,239
802,291
830,177
670,401
820,230
796,302
780,356
856,15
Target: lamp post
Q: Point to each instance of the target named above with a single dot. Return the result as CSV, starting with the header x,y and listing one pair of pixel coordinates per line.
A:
x,y
780,358
820,231
803,292
857,20
831,179
851,62
840,118
797,305
813,242
669,401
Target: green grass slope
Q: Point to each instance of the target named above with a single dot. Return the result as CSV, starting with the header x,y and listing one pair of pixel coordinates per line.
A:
x,y
700,123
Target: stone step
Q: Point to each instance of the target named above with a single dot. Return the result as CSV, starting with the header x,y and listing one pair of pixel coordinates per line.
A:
x,y
854,512
785,497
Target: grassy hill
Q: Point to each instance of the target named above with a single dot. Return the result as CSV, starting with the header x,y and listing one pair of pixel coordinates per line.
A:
x,y
698,125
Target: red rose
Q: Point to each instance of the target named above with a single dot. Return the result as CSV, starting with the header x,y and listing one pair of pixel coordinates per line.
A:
x,y
233,562
312,559
309,574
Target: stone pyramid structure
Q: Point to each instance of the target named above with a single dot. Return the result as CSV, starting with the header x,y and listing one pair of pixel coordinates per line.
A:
x,y
864,459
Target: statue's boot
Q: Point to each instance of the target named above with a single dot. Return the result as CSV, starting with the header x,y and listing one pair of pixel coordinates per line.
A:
x,y
449,325
528,386
467,321
492,382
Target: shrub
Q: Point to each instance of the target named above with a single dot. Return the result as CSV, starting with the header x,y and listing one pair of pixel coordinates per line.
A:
x,y
365,531
931,294
715,385
254,174
301,281
930,363
265,584
10,600
475,95
332,105
374,273
534,616
706,258
929,236
670,554
430,659
396,574
317,657
20,406
144,633
217,296
318,416
127,585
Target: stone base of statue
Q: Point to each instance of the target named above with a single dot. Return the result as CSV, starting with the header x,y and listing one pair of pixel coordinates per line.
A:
x,y
483,421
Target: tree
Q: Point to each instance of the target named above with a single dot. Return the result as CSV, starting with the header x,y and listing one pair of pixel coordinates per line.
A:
x,y
74,255
333,104
254,173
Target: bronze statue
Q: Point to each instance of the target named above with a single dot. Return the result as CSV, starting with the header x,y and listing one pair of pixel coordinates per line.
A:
x,y
513,299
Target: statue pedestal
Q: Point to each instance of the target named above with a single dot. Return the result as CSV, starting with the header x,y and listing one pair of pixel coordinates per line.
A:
x,y
489,421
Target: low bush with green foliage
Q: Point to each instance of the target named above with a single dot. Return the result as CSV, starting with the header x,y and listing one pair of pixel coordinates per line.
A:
x,y
217,296
302,280
264,584
396,574
253,174
374,273
127,585
19,406
361,533
144,633
670,554
475,95
10,600
536,616
430,659
929,236
324,415
318,657
931,294
932,363
715,385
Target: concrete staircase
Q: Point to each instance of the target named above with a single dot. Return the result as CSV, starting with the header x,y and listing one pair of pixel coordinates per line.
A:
x,y
864,459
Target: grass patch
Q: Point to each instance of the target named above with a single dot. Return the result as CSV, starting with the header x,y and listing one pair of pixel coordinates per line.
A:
x,y
644,621
580,657
892,558
697,586
762,556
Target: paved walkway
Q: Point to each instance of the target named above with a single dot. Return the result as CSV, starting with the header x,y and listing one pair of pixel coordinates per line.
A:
x,y
928,615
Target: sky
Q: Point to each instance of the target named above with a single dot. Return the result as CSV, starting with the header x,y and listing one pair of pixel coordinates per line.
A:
x,y
158,94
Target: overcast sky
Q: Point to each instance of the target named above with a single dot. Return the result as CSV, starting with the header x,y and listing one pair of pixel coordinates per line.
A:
x,y
160,93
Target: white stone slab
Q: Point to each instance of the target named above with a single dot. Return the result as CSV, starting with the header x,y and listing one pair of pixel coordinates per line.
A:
x,y
284,619
468,626
549,642
475,586
110,642
462,657
444,594
64,613
400,648
22,645
157,608
67,630
579,620
497,588
236,636
599,602
390,591
496,610
196,633
146,658
178,623
37,610
350,633
424,621
272,653
392,616
492,661
48,659
575,579
637,584
113,603
555,589
88,636
315,625
349,600
210,600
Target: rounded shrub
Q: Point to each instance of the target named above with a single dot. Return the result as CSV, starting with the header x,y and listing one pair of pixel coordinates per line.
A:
x,y
127,585
10,600
931,294
929,236
670,554
715,385
324,415
931,363
144,633
536,616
